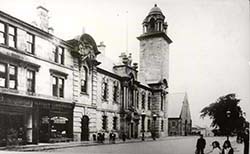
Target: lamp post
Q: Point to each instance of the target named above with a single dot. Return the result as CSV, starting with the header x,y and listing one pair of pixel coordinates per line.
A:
x,y
154,130
143,121
228,114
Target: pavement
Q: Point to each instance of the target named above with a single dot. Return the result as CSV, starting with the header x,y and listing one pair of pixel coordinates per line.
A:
x,y
167,145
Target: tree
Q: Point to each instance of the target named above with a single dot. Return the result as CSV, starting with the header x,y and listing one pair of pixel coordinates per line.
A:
x,y
226,114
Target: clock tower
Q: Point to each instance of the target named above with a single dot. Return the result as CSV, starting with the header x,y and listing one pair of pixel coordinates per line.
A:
x,y
154,48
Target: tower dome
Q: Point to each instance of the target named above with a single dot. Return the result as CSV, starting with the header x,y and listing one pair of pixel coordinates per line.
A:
x,y
155,10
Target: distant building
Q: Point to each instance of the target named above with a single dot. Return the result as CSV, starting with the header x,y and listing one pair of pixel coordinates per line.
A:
x,y
53,90
179,117
197,130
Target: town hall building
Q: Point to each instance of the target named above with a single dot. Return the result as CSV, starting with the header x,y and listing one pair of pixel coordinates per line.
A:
x,y
54,90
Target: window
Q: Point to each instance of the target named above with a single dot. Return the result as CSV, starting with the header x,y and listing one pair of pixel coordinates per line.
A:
x,y
8,76
149,124
143,101
84,80
115,92
58,53
173,123
149,102
30,81
162,102
30,43
104,122
58,86
105,89
3,76
12,36
162,125
137,99
2,33
115,119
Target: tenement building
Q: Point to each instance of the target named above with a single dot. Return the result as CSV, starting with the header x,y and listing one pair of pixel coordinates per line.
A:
x,y
54,90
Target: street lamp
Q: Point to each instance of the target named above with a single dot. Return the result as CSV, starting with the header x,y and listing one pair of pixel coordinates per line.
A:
x,y
154,130
228,114
143,114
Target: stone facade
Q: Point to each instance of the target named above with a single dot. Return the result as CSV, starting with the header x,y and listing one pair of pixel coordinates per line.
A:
x,y
75,92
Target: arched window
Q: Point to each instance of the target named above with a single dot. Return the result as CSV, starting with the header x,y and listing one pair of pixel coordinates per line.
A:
x,y
105,89
152,25
84,79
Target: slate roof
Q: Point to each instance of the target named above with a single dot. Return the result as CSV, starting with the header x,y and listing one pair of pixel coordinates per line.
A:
x,y
175,102
106,63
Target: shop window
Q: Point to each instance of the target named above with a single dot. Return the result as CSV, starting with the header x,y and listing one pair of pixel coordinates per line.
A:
x,y
149,124
104,122
12,36
143,101
58,53
30,43
58,86
115,119
31,81
115,92
149,102
105,89
84,80
2,33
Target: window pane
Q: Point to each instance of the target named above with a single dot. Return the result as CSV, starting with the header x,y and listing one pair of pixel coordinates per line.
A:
x,y
54,80
12,84
2,68
11,41
12,70
11,30
2,82
2,40
2,27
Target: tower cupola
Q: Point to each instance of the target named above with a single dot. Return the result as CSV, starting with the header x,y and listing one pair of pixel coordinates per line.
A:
x,y
154,21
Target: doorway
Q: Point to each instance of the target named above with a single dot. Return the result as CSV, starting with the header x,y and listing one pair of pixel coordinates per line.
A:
x,y
85,128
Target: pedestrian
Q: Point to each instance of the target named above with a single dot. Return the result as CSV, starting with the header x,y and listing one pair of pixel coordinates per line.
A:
x,y
110,137
113,137
227,148
216,148
246,141
200,145
124,137
103,137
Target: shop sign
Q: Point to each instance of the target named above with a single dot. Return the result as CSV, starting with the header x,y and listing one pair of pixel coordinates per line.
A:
x,y
59,120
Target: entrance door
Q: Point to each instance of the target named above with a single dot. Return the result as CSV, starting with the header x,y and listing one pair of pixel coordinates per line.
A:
x,y
132,130
85,128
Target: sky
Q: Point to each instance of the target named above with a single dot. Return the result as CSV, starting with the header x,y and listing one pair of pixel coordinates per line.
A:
x,y
210,53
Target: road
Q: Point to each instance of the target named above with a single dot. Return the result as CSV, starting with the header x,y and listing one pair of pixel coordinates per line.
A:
x,y
169,145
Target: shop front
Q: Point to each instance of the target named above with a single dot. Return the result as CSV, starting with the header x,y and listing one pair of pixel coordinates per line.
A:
x,y
15,120
55,121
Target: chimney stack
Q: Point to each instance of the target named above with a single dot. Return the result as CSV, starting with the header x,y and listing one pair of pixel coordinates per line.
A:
x,y
42,18
102,47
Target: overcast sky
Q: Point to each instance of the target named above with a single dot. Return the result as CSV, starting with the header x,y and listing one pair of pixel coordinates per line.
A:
x,y
210,53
